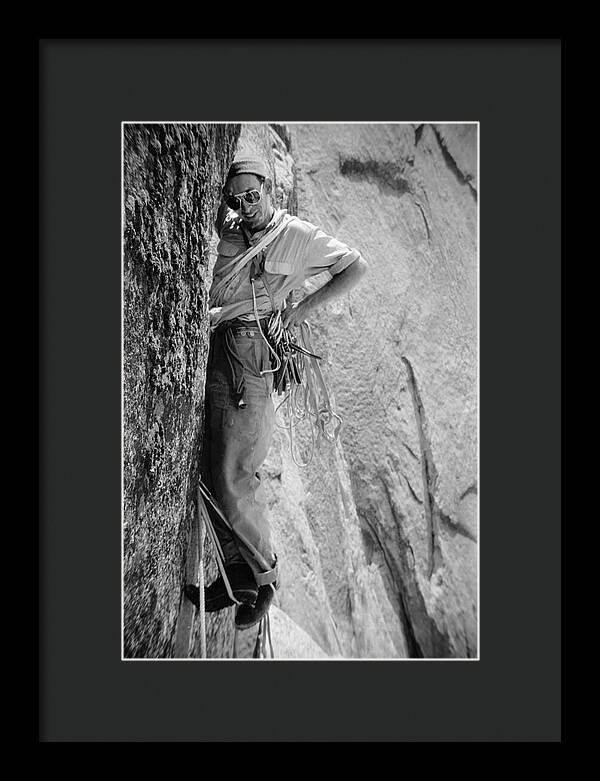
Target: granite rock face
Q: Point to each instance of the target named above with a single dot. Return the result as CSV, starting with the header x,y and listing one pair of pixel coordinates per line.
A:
x,y
171,182
402,353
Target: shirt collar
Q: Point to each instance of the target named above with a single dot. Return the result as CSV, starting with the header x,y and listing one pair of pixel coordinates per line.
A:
x,y
254,237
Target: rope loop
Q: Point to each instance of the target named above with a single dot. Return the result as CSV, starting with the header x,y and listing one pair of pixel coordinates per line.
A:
x,y
299,379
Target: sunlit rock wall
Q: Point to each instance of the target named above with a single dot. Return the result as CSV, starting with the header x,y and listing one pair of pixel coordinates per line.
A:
x,y
377,537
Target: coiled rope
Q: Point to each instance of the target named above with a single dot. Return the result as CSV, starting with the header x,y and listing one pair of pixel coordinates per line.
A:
x,y
297,370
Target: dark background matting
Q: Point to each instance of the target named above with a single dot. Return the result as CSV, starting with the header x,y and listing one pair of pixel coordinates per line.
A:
x,y
87,88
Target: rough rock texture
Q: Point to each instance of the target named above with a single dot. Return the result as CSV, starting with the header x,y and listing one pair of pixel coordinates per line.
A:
x,y
403,359
171,179
377,537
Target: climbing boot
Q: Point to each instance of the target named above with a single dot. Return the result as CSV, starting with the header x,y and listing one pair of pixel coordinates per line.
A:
x,y
243,586
248,615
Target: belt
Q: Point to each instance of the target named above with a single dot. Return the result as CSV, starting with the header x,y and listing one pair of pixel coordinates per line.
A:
x,y
244,328
240,331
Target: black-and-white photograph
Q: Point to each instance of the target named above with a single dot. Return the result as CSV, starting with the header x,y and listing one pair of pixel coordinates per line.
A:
x,y
300,391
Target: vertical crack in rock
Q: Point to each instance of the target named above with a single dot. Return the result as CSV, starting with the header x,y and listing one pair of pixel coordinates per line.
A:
x,y
425,221
414,455
428,470
398,518
412,490
414,650
418,133
421,634
284,134
382,548
451,163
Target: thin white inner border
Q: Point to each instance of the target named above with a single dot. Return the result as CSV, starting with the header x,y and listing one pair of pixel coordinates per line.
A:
x,y
336,659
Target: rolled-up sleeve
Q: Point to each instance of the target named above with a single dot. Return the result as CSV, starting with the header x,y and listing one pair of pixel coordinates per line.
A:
x,y
325,253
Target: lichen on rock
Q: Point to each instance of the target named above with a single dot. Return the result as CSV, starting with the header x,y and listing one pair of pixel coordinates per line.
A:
x,y
171,181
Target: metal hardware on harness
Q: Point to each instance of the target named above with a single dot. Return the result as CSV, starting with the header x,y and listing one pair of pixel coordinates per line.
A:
x,y
264,371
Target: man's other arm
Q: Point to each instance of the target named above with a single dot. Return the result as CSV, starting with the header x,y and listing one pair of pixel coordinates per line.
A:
x,y
339,284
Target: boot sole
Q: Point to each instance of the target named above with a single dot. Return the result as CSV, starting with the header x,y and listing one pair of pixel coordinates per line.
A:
x,y
254,622
243,627
220,603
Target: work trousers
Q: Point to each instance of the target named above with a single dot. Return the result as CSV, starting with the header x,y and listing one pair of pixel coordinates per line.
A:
x,y
238,429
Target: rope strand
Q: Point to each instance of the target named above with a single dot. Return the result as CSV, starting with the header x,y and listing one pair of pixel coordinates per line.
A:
x,y
307,398
201,607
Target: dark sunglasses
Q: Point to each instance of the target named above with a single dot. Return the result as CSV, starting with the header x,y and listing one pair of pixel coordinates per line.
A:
x,y
250,196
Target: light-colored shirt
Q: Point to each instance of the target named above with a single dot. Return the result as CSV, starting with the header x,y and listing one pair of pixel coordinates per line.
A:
x,y
300,251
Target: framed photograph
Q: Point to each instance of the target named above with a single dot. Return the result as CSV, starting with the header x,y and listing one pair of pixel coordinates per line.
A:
x,y
294,364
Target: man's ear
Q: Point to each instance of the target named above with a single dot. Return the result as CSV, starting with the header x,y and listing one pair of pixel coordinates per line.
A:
x,y
268,185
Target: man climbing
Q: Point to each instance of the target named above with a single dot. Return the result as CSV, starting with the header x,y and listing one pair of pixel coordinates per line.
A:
x,y
282,251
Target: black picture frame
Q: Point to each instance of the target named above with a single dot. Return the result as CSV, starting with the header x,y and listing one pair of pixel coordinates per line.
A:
x,y
87,88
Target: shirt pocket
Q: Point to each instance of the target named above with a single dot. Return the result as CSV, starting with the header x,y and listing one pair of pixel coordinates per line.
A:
x,y
279,267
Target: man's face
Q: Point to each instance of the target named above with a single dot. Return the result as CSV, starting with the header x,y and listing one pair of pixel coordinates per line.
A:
x,y
253,214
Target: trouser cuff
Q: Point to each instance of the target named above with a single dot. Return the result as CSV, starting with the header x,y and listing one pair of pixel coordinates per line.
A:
x,y
271,576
